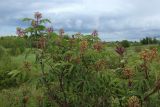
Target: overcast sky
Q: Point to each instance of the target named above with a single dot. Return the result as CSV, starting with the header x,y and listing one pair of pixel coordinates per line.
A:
x,y
114,19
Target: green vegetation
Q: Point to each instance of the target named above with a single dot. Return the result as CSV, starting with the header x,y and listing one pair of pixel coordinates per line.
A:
x,y
149,40
40,68
125,43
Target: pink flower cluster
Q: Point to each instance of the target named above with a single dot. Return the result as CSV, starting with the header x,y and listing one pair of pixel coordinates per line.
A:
x,y
120,50
50,29
38,15
20,32
61,32
95,33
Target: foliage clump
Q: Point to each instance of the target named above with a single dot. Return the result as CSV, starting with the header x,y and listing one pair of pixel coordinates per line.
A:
x,y
125,43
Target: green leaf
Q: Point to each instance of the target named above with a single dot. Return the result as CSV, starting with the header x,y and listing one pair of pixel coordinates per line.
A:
x,y
45,21
14,73
27,19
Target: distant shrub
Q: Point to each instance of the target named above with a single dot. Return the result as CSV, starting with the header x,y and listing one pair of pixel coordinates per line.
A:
x,y
125,43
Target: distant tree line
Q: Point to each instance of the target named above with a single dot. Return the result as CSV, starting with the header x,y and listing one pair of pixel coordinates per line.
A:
x,y
149,40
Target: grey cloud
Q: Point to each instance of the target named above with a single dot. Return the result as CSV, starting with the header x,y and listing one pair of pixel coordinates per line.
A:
x,y
114,19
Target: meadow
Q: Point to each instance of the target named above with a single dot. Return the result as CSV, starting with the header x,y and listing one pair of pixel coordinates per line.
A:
x,y
41,68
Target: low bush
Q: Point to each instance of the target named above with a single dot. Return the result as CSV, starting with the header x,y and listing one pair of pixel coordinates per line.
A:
x,y
125,43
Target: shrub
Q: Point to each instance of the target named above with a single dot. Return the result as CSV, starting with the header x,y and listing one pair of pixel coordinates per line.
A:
x,y
125,43
72,73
